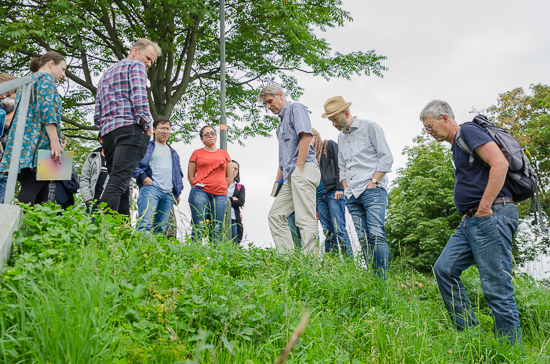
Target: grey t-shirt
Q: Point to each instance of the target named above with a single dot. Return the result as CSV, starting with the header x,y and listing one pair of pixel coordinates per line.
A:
x,y
294,120
161,164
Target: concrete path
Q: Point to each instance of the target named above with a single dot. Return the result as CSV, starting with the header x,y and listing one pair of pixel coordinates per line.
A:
x,y
10,217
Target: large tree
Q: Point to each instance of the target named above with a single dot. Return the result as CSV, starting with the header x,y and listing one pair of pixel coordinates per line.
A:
x,y
266,40
421,210
527,117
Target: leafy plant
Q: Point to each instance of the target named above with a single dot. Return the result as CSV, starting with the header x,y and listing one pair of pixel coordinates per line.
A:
x,y
111,295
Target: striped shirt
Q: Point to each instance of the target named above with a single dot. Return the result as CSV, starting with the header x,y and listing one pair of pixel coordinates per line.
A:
x,y
362,151
122,97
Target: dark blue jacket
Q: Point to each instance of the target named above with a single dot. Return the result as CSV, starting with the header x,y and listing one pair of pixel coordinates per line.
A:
x,y
65,190
143,170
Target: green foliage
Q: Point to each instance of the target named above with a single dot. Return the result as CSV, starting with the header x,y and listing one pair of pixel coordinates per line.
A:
x,y
421,210
82,293
527,117
266,40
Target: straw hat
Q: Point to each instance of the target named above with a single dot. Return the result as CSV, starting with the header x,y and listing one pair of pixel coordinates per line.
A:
x,y
334,105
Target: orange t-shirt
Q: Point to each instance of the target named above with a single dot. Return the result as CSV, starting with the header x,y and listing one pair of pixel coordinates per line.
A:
x,y
210,170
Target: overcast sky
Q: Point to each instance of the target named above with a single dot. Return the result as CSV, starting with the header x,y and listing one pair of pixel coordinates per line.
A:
x,y
463,52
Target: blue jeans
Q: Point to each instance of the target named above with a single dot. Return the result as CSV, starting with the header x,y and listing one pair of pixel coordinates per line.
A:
x,y
3,183
368,212
233,229
154,208
332,214
203,206
487,242
294,231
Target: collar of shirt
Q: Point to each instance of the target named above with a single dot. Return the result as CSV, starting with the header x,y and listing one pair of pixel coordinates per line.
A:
x,y
353,126
283,110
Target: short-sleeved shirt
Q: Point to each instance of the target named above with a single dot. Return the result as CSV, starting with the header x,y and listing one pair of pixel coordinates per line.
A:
x,y
210,170
471,182
294,120
45,109
161,165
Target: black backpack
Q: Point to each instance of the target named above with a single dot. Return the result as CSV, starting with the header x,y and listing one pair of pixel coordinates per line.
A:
x,y
521,179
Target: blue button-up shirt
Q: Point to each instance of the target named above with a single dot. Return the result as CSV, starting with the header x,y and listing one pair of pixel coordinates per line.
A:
x,y
294,120
362,151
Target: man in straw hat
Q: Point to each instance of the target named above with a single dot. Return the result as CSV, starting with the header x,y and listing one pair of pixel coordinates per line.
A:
x,y
298,172
364,158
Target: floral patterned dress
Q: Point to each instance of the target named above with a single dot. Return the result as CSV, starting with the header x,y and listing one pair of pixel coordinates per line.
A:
x,y
45,109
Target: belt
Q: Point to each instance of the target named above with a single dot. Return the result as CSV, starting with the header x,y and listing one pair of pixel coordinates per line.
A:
x,y
499,201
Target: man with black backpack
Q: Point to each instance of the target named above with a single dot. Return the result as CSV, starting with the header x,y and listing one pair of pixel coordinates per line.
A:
x,y
484,237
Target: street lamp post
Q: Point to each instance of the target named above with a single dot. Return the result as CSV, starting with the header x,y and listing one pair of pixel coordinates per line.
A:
x,y
223,117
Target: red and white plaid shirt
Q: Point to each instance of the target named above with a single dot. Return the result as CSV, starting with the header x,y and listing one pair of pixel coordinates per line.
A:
x,y
122,97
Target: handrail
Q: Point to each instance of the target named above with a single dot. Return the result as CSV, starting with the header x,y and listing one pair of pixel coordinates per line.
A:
x,y
13,84
23,108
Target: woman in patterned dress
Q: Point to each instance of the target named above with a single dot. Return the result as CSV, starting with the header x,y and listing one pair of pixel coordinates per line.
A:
x,y
43,128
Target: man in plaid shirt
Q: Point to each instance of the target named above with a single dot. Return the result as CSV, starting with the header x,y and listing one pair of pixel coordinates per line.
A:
x,y
124,120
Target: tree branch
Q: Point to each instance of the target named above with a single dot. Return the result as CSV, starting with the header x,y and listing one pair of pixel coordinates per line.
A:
x,y
78,125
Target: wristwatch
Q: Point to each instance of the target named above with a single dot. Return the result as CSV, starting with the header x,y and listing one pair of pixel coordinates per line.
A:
x,y
374,181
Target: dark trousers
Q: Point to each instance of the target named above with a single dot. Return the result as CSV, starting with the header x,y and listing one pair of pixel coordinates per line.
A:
x,y
124,148
32,191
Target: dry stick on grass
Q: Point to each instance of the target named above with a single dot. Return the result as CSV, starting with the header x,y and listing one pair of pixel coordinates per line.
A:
x,y
295,336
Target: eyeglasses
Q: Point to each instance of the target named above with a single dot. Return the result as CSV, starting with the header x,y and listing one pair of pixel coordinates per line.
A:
x,y
428,128
207,135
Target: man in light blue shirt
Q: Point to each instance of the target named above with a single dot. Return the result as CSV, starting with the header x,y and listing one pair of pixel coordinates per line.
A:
x,y
298,172
364,158
159,177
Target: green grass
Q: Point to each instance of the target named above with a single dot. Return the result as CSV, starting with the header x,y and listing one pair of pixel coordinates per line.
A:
x,y
82,293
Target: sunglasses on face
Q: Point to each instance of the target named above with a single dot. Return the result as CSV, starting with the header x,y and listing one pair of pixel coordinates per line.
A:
x,y
207,135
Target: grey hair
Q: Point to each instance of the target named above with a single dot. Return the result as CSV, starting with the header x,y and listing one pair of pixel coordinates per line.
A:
x,y
272,89
143,43
436,109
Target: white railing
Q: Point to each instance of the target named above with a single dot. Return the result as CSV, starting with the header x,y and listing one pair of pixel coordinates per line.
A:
x,y
22,110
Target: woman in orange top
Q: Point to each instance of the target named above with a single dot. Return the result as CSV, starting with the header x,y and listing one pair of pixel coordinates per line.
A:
x,y
209,176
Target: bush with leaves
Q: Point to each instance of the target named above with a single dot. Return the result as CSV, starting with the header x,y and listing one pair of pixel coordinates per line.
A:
x,y
76,292
421,213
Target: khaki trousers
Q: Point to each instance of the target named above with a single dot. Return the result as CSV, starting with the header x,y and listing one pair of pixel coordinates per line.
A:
x,y
298,195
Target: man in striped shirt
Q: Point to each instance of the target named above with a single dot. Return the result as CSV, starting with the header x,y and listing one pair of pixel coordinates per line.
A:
x,y
124,120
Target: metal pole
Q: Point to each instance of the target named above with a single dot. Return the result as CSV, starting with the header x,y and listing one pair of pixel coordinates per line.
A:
x,y
18,142
223,117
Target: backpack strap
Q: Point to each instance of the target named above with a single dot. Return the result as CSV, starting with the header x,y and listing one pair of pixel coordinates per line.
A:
x,y
462,145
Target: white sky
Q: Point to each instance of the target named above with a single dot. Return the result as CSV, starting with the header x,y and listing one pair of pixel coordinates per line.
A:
x,y
464,52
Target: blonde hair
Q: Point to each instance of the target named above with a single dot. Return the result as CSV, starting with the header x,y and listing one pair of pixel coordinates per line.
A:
x,y
143,43
4,77
319,145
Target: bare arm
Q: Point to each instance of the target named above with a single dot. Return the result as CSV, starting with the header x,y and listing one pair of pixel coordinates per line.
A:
x,y
191,170
303,150
9,118
492,155
279,174
229,173
54,142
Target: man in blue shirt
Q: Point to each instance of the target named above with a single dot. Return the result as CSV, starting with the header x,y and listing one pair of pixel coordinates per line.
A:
x,y
484,237
298,172
159,178
364,158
